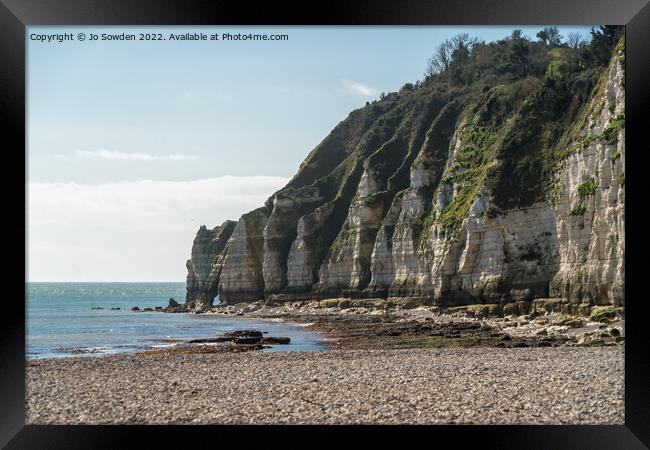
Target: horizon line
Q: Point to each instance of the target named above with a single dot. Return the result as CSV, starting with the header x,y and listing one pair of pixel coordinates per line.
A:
x,y
77,281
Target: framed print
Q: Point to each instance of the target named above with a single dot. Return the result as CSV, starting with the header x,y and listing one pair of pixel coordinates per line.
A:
x,y
365,213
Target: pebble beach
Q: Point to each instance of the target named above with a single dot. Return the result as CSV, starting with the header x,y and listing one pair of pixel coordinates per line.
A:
x,y
557,385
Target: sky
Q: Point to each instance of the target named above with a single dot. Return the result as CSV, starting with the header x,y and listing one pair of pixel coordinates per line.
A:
x,y
132,145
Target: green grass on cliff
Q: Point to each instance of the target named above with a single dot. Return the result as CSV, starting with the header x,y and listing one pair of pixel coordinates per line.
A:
x,y
471,165
524,108
587,188
579,210
610,133
577,137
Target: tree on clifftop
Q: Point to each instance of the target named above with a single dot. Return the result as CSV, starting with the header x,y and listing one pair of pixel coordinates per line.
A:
x,y
602,41
550,36
451,52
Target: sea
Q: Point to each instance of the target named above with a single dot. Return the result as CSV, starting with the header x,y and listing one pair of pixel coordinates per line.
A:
x,y
61,321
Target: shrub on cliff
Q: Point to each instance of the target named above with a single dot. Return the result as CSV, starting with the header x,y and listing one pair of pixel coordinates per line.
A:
x,y
464,60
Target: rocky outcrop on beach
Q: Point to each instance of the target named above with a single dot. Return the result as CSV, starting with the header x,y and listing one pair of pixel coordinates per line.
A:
x,y
244,337
204,268
499,194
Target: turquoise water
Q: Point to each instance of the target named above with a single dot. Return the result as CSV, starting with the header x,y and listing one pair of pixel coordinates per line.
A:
x,y
59,316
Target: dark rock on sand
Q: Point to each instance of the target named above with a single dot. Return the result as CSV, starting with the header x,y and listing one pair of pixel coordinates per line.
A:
x,y
135,308
174,307
245,338
207,341
603,313
248,340
276,340
243,333
148,309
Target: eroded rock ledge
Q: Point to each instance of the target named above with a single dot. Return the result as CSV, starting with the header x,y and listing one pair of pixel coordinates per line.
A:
x,y
448,196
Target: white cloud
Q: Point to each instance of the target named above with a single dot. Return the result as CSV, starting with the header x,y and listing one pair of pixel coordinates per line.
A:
x,y
354,87
217,94
102,153
211,94
130,231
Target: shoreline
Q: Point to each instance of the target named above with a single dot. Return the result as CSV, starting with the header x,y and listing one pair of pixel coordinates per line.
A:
x,y
298,338
397,366
372,327
369,327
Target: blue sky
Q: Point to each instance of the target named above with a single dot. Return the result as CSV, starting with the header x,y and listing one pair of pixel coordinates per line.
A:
x,y
109,120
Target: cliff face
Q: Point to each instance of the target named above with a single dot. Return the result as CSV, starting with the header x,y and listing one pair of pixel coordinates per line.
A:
x,y
205,266
454,196
241,276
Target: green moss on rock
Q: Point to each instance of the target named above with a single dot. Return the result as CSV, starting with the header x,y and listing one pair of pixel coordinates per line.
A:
x,y
579,210
587,188
600,313
610,134
472,163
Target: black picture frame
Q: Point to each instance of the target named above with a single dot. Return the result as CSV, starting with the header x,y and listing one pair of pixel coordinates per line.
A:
x,y
16,15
